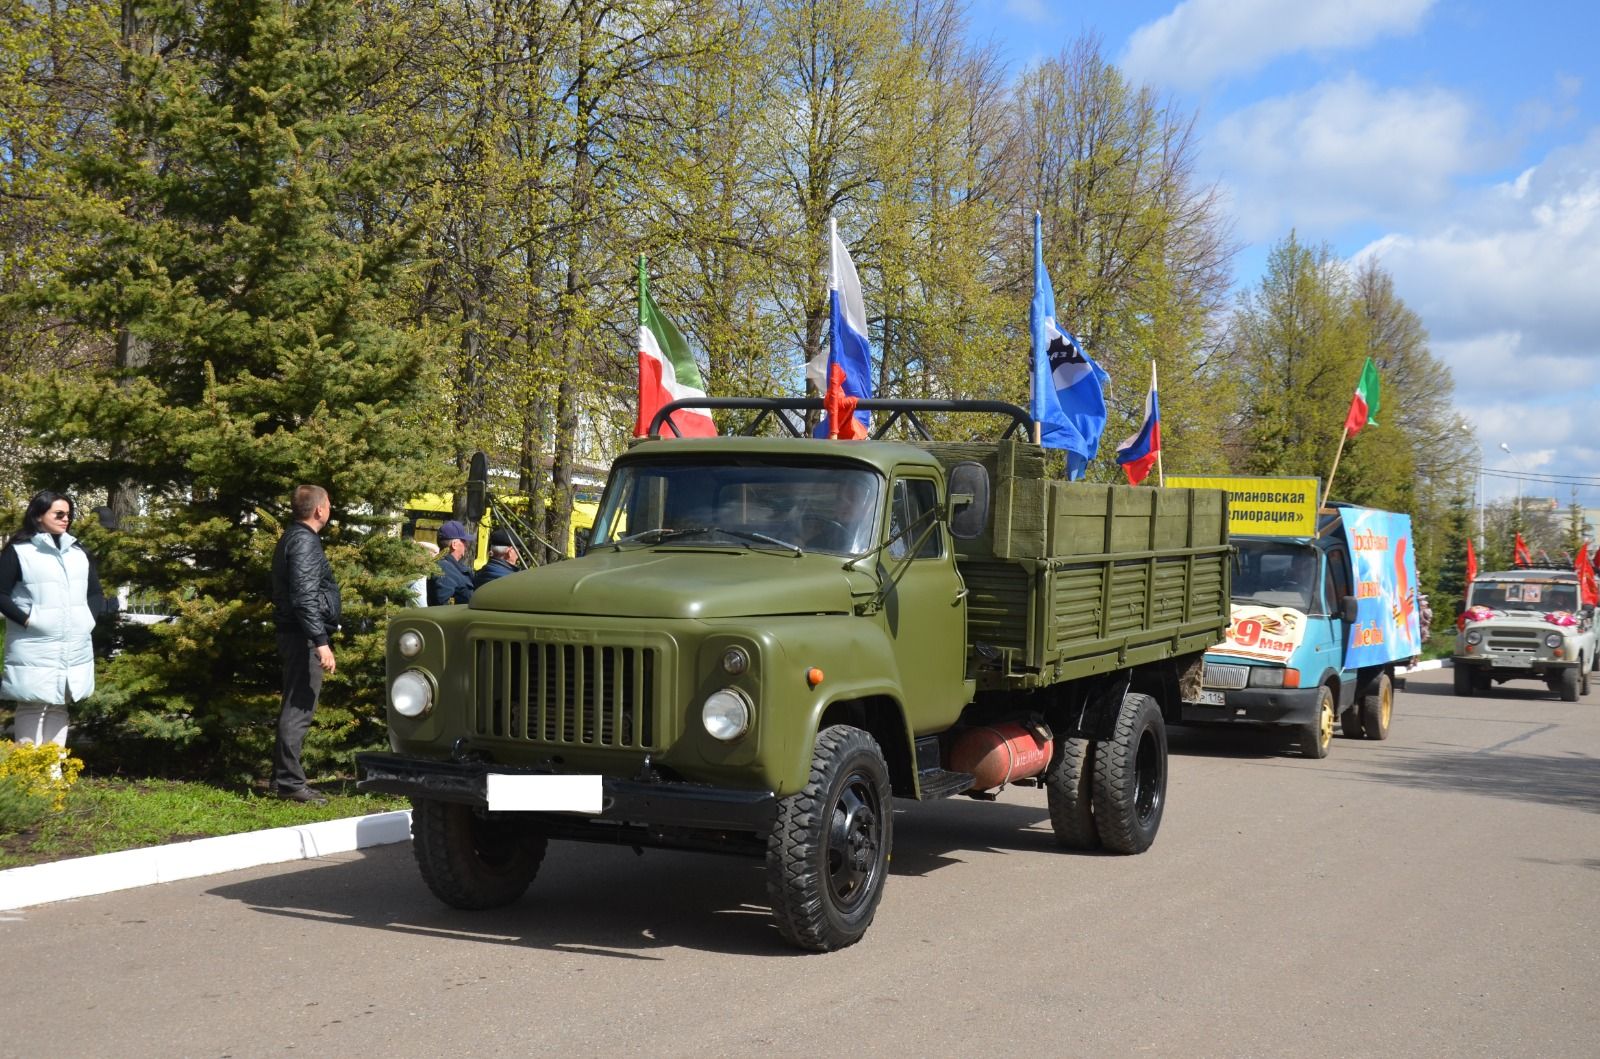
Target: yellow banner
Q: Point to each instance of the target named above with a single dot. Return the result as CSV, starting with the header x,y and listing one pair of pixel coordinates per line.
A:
x,y
1263,507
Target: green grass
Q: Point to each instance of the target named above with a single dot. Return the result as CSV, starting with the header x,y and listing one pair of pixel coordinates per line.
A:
x,y
107,815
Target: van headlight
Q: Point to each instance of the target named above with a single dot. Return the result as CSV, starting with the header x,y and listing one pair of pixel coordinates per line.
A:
x,y
1474,636
411,694
726,714
410,643
1266,677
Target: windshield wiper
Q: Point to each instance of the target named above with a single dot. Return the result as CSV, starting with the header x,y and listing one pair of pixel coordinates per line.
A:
x,y
659,535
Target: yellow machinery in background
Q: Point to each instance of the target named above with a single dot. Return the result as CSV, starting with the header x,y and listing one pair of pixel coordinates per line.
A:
x,y
487,511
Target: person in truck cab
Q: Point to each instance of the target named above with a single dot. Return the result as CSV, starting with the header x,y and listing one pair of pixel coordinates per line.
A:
x,y
837,523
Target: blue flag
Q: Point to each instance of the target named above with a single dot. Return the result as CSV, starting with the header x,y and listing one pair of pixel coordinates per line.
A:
x,y
1069,401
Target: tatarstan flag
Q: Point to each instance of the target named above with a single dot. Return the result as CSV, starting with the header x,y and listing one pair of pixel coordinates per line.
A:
x,y
667,372
1364,405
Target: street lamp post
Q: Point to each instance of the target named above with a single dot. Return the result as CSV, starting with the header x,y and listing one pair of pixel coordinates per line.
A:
x,y
1520,472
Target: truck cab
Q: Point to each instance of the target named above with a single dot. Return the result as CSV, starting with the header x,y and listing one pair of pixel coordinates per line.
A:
x,y
1317,628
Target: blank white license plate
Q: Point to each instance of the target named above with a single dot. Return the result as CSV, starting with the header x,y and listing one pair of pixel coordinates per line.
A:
x,y
544,794
1213,698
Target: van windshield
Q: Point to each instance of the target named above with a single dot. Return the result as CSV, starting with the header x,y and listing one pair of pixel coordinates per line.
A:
x,y
748,502
1276,574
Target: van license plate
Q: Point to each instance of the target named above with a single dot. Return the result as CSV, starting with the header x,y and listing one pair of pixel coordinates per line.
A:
x,y
1213,698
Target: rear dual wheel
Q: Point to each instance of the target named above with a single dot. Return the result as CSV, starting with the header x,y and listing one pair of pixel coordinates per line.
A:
x,y
470,859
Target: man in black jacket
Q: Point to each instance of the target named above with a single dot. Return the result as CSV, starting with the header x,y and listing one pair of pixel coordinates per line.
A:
x,y
305,601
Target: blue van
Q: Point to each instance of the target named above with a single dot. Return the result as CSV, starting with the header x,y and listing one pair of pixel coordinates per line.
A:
x,y
1318,626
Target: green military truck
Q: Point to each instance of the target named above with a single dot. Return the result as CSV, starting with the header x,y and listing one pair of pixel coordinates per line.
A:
x,y
772,637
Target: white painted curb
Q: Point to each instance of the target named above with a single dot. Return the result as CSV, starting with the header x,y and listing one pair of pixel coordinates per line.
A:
x,y
62,880
1432,663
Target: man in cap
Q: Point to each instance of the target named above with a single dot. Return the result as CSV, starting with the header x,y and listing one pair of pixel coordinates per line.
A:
x,y
503,559
453,582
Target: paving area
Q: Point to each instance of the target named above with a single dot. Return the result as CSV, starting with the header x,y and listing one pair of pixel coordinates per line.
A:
x,y
1435,894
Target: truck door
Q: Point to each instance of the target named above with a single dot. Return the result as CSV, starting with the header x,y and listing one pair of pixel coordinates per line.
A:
x,y
926,612
1335,586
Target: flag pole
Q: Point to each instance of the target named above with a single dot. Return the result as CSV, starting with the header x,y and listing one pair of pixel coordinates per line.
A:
x,y
1161,475
1328,492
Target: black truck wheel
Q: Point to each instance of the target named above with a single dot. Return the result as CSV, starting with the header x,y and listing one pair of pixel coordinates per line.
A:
x,y
1567,685
828,853
1377,707
470,860
1069,788
1350,723
1130,777
1316,737
1462,677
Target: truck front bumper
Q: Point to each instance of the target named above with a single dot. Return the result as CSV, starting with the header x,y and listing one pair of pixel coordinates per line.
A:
x,y
1289,707
664,803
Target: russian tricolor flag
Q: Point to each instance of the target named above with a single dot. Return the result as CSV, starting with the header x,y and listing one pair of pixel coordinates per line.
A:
x,y
846,376
1142,451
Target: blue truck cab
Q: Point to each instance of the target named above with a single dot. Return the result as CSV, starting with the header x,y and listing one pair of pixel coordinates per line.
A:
x,y
1318,626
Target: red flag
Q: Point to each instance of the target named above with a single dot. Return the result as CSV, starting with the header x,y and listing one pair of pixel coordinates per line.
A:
x,y
1520,555
1472,563
1588,591
841,409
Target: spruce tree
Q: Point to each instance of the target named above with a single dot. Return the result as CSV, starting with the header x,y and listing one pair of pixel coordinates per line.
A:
x,y
240,251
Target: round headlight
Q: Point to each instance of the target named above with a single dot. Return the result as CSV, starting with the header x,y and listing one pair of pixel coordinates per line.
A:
x,y
735,661
1552,639
726,714
410,643
1474,636
411,694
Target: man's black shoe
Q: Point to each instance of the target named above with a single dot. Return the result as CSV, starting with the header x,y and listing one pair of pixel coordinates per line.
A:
x,y
300,794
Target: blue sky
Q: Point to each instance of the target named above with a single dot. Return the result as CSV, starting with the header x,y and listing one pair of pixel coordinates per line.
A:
x,y
1458,142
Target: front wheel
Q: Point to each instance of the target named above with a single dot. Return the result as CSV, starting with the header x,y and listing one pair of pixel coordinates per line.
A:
x,y
471,860
1463,680
1377,707
1315,738
828,854
1568,685
1130,777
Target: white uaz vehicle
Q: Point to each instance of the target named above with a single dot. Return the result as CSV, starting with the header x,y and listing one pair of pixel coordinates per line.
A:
x,y
1526,625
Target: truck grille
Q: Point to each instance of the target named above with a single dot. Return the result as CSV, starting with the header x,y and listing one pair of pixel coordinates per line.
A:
x,y
567,694
1218,676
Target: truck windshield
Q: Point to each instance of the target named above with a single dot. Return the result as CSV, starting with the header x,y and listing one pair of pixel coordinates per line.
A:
x,y
1539,596
823,507
1276,574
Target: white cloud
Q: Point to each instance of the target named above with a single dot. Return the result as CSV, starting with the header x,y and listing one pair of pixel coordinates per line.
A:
x,y
1343,151
1033,11
1203,40
1507,291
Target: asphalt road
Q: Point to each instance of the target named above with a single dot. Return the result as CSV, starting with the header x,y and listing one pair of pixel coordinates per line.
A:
x,y
1437,894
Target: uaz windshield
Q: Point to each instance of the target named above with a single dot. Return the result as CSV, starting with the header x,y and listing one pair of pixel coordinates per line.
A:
x,y
1525,595
822,507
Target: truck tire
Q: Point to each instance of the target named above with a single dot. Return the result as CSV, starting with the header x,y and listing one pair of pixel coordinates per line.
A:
x,y
1568,685
470,860
828,853
1069,788
1377,707
1350,723
1130,777
1316,737
1463,680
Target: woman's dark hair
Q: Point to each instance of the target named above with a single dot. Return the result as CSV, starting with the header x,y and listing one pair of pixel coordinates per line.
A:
x,y
36,508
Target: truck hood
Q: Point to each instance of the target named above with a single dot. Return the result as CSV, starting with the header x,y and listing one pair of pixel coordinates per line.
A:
x,y
679,582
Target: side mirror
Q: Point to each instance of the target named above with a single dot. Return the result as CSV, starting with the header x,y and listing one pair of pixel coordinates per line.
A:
x,y
1348,609
968,509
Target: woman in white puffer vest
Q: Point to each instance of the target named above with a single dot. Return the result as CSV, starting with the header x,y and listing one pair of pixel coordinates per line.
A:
x,y
49,594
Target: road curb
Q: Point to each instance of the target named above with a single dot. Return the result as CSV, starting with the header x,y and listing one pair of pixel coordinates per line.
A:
x,y
1432,663
62,880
